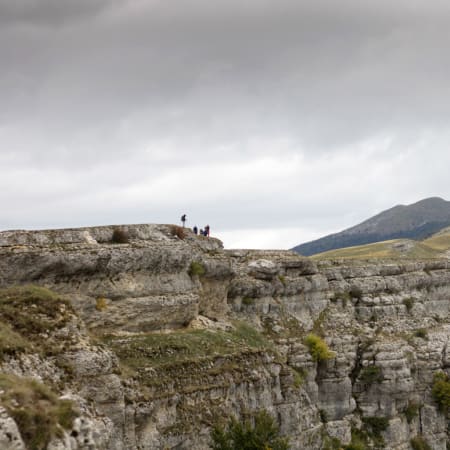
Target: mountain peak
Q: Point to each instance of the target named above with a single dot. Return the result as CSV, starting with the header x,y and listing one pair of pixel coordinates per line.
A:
x,y
415,221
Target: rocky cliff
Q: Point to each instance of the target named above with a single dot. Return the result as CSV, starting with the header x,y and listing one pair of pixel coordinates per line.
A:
x,y
147,344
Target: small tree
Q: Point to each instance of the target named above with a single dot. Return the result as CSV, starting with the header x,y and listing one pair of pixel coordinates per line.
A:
x,y
264,435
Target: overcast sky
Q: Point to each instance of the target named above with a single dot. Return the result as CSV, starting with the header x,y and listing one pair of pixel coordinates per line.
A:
x,y
276,122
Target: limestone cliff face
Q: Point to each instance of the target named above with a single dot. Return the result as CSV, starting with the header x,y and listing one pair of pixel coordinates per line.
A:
x,y
170,336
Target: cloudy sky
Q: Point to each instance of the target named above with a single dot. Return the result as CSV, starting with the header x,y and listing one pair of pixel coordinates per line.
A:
x,y
275,121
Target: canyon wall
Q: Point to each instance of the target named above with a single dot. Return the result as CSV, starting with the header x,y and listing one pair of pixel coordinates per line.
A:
x,y
163,338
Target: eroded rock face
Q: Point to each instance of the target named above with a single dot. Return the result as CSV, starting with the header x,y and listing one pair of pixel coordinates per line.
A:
x,y
387,323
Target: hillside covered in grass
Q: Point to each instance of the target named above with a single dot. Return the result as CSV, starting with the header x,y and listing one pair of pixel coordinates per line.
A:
x,y
436,246
416,222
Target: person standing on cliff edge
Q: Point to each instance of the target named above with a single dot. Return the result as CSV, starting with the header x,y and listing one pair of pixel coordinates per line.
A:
x,y
183,220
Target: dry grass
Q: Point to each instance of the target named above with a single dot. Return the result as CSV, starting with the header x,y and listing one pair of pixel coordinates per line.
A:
x,y
377,250
31,314
385,250
38,412
101,304
440,241
177,231
11,343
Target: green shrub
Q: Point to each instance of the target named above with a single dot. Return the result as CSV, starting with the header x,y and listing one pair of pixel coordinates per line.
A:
x,y
282,279
323,415
359,440
411,411
374,427
419,443
355,445
441,390
318,348
40,415
371,374
247,301
332,443
263,435
409,303
356,292
196,268
299,376
120,236
421,333
376,424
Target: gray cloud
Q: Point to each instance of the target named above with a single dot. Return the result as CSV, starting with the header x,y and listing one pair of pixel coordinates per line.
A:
x,y
285,103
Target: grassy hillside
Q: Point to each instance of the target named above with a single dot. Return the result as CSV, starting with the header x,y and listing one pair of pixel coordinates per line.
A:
x,y
436,246
439,241
417,221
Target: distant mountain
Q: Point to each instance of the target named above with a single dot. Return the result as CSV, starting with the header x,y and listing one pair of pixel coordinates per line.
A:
x,y
416,221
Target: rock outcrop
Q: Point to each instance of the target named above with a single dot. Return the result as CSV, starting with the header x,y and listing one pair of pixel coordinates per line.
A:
x,y
158,339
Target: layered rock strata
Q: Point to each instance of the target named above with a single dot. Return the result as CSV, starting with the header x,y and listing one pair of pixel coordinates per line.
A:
x,y
171,336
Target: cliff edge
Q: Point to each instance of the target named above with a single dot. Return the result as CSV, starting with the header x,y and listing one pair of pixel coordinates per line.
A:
x,y
150,342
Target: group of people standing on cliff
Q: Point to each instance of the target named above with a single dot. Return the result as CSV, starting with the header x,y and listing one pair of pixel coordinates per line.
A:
x,y
203,232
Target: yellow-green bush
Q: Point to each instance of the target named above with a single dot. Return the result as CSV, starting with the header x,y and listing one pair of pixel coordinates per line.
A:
x,y
196,268
318,348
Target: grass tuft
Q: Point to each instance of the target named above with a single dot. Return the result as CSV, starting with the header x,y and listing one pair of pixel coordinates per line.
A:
x,y
40,415
371,374
101,304
409,303
419,443
411,411
196,269
12,343
32,312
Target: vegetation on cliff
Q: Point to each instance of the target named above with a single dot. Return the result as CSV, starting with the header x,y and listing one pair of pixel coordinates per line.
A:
x,y
441,391
263,434
28,317
136,352
318,348
38,412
